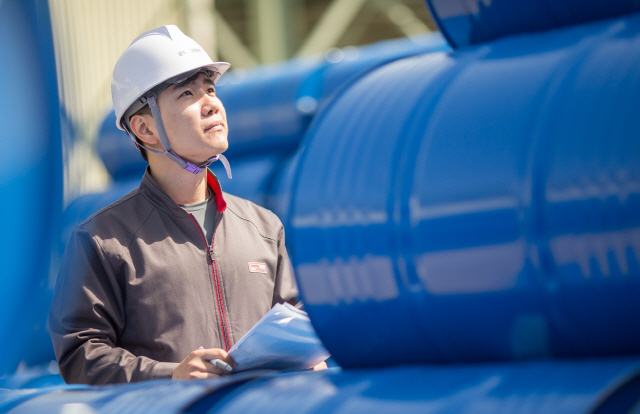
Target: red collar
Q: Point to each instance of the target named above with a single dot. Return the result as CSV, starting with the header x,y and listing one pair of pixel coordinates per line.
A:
x,y
213,183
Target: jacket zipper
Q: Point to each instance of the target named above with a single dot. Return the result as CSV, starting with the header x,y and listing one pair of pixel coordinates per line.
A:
x,y
216,286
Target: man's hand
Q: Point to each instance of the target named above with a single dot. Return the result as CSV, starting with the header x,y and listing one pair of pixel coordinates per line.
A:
x,y
198,364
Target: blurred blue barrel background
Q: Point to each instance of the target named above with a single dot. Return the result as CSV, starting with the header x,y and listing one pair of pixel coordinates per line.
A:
x,y
30,180
470,22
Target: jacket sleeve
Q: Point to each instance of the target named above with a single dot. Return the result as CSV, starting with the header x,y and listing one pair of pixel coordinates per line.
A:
x,y
86,317
285,289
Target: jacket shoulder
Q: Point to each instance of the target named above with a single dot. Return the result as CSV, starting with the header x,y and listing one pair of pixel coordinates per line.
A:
x,y
258,215
124,214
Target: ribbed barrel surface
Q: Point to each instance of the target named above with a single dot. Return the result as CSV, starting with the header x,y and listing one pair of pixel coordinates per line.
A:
x,y
480,205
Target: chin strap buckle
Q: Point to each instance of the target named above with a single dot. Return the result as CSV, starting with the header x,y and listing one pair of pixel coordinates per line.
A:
x,y
192,168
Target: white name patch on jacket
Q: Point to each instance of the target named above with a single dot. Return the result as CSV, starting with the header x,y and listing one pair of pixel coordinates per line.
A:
x,y
257,267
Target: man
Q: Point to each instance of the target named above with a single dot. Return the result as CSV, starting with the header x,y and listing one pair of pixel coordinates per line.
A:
x,y
176,264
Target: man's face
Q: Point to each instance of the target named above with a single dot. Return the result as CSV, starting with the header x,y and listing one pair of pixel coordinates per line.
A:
x,y
194,119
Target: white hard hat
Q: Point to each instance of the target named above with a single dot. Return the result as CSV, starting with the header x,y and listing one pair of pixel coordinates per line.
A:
x,y
156,59
156,56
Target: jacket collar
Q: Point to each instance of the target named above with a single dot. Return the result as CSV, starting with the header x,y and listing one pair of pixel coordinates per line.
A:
x,y
214,185
156,194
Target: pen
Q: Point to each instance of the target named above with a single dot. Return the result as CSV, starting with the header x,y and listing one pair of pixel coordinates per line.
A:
x,y
220,363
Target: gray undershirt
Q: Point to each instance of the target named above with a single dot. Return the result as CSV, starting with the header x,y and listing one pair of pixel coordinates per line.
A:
x,y
205,214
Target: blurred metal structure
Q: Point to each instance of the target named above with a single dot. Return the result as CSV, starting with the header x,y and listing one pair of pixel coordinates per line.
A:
x,y
331,26
341,14
271,21
200,16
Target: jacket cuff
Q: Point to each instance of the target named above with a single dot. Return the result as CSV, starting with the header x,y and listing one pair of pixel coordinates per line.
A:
x,y
163,370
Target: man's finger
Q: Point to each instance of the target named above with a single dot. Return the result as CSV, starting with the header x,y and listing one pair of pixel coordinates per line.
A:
x,y
202,375
213,353
222,365
218,367
230,361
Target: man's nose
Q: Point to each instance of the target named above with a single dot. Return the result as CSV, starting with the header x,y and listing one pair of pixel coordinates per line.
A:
x,y
210,105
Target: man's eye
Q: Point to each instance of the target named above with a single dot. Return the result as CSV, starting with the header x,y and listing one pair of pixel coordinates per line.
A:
x,y
185,93
212,90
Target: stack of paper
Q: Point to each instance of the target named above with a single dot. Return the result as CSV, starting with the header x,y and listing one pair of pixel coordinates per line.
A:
x,y
283,339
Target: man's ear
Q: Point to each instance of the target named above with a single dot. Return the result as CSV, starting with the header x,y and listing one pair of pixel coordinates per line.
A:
x,y
144,128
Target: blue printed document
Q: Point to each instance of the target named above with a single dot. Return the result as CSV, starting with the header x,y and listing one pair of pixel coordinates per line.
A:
x,y
283,339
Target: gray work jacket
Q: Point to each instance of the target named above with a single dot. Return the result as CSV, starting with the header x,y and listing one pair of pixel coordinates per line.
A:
x,y
139,288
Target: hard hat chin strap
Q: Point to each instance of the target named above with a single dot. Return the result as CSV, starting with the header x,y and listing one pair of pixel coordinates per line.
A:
x,y
166,146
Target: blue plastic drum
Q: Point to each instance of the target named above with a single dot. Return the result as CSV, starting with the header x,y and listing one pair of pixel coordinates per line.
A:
x,y
480,205
30,180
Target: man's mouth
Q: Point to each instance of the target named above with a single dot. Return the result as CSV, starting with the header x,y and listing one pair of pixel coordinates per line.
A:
x,y
216,126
